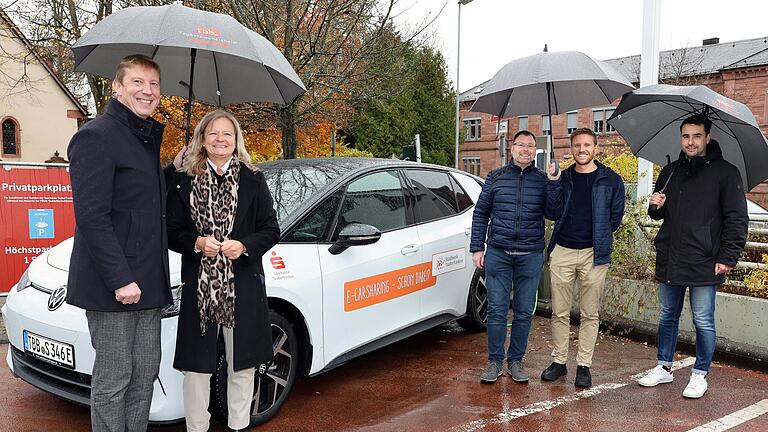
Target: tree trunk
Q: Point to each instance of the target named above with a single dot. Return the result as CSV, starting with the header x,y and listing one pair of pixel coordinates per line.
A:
x,y
288,129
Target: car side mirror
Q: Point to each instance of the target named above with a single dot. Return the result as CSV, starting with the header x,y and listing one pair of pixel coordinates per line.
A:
x,y
355,234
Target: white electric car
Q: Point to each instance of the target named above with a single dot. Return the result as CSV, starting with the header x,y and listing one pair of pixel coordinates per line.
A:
x,y
371,251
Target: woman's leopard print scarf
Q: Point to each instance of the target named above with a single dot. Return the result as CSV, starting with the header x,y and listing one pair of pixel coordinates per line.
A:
x,y
213,206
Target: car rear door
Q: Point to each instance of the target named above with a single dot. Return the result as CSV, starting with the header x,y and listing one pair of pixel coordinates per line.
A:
x,y
369,291
442,210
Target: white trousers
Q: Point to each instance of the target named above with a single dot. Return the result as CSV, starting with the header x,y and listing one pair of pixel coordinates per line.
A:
x,y
197,393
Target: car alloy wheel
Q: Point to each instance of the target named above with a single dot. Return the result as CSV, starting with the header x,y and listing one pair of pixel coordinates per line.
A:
x,y
272,386
477,304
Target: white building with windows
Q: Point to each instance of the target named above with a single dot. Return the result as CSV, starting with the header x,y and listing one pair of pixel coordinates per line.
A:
x,y
38,114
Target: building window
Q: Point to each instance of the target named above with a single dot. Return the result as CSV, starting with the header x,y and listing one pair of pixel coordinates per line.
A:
x,y
522,123
473,129
471,165
10,137
600,118
546,127
572,121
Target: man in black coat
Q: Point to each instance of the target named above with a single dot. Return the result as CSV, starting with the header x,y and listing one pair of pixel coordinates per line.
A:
x,y
701,199
119,267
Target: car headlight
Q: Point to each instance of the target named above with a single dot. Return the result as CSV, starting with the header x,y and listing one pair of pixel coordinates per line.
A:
x,y
24,282
172,309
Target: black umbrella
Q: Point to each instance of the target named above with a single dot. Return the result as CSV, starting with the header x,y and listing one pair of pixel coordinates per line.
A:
x,y
649,119
202,55
550,83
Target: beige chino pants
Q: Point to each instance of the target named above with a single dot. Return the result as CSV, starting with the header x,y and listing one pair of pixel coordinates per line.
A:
x,y
566,266
197,393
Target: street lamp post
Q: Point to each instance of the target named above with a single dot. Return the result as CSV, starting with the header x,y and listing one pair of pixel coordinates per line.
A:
x,y
458,50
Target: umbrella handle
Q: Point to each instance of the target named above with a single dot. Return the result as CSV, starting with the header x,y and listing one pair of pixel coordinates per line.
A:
x,y
557,166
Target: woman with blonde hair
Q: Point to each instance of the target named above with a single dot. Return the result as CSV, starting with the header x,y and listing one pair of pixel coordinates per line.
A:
x,y
221,220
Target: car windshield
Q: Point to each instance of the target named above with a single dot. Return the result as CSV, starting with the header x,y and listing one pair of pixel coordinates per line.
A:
x,y
293,183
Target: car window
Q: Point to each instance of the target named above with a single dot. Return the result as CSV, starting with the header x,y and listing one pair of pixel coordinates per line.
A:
x,y
435,197
293,185
314,227
463,201
376,199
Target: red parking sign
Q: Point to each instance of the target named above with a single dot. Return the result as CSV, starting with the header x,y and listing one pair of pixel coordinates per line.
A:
x,y
36,213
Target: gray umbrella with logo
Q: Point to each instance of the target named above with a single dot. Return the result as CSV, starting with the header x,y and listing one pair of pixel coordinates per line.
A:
x,y
550,83
649,119
202,55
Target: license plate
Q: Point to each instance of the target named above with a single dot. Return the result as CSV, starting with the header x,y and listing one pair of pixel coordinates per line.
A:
x,y
52,351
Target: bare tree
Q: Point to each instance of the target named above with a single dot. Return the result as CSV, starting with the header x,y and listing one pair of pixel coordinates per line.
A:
x,y
15,60
330,44
53,26
681,66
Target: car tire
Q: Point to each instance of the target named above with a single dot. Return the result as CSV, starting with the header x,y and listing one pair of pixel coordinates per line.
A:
x,y
476,318
281,374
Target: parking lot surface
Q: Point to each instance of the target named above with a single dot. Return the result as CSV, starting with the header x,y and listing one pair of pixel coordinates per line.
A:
x,y
430,382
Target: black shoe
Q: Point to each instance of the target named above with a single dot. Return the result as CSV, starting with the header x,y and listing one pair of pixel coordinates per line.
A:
x,y
554,371
583,377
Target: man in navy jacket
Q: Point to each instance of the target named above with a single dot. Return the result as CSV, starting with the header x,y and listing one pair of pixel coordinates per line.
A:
x,y
509,218
118,271
580,248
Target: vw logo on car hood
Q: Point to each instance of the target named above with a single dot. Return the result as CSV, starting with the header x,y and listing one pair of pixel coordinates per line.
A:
x,y
57,298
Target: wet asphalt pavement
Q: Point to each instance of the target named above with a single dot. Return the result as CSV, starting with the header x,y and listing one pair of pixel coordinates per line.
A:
x,y
430,382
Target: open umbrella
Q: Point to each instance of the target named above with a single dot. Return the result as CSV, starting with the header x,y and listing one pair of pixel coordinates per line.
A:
x,y
649,119
550,83
202,55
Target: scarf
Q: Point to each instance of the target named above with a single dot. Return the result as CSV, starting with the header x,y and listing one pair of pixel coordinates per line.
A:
x,y
212,206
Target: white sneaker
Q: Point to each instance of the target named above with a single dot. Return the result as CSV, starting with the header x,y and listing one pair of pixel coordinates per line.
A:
x,y
657,376
696,387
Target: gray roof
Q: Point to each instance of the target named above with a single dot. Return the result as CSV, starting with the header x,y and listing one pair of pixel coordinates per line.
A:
x,y
684,62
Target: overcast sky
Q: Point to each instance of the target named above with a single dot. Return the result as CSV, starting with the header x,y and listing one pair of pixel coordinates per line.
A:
x,y
494,32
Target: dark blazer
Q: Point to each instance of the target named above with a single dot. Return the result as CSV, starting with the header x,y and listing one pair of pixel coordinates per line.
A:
x,y
607,210
510,211
119,199
255,225
705,219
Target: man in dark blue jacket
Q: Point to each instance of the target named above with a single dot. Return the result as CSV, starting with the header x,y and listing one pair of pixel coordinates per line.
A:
x,y
509,218
118,271
580,248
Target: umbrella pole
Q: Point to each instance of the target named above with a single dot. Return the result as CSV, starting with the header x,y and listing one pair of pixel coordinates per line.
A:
x,y
551,141
193,54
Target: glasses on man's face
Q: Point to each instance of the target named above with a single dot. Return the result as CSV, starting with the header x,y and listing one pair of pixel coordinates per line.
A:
x,y
524,145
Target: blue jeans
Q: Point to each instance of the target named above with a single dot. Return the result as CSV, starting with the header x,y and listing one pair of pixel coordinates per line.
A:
x,y
671,298
502,272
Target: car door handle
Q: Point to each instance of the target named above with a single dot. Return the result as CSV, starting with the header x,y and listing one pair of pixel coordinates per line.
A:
x,y
410,249
468,232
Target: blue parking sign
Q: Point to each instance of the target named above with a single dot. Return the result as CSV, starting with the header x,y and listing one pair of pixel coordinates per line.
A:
x,y
41,223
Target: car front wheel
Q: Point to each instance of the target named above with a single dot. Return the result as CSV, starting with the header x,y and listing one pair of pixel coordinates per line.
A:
x,y
272,385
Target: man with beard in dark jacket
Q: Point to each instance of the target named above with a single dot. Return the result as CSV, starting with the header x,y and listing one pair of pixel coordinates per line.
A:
x,y
509,218
701,199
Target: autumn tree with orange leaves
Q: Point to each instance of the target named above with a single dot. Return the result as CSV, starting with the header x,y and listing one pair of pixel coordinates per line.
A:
x,y
330,44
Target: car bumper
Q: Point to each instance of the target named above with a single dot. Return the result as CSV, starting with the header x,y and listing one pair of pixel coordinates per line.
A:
x,y
27,310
